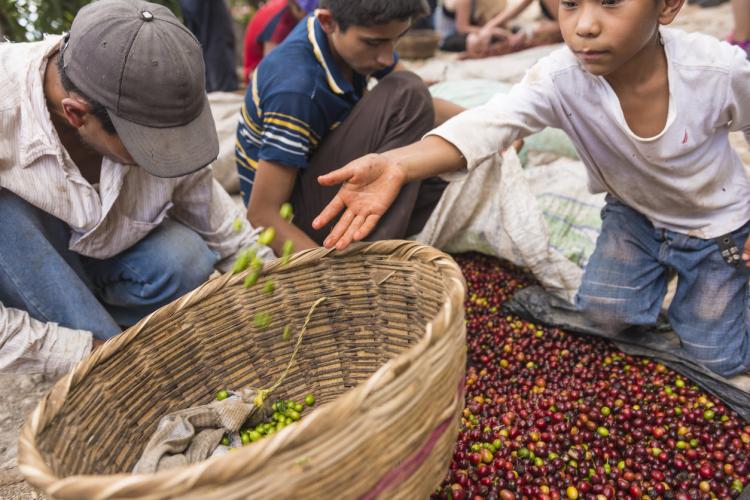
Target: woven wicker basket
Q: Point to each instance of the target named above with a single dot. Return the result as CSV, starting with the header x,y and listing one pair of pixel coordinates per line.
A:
x,y
384,353
419,44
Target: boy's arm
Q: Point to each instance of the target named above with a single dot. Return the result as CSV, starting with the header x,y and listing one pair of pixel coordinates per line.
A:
x,y
739,108
445,110
739,94
458,146
371,183
272,188
293,126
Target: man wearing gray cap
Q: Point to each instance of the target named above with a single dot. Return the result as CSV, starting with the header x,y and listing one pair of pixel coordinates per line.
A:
x,y
107,210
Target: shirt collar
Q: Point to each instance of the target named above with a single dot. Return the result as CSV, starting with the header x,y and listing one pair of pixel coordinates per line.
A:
x,y
38,138
322,51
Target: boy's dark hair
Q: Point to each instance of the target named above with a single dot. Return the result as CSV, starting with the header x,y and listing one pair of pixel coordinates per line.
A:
x,y
373,12
99,111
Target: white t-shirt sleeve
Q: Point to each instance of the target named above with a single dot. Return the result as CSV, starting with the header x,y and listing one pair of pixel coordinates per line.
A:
x,y
483,132
739,93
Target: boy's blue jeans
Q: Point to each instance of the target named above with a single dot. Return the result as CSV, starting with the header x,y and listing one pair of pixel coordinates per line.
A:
x,y
39,274
626,279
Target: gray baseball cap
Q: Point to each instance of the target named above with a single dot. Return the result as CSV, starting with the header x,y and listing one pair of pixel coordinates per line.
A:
x,y
139,61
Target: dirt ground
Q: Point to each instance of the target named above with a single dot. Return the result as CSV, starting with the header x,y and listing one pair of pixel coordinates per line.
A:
x,y
20,393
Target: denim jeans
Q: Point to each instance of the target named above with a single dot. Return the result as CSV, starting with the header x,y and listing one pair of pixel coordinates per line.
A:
x,y
39,274
626,279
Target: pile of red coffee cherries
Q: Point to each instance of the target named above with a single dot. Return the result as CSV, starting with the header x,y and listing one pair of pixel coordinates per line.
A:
x,y
556,415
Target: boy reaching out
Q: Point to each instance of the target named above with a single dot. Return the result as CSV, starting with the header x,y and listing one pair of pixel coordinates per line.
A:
x,y
649,110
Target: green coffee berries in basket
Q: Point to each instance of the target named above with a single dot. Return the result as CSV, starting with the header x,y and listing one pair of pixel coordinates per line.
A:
x,y
384,355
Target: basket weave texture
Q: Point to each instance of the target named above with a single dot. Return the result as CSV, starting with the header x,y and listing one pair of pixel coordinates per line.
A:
x,y
384,355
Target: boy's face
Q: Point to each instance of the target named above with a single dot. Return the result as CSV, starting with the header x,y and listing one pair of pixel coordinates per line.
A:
x,y
365,49
605,34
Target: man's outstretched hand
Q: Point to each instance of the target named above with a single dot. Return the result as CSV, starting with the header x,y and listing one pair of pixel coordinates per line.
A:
x,y
370,185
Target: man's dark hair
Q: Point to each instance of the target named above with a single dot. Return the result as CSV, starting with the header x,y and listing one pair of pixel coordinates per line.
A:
x,y
373,12
99,111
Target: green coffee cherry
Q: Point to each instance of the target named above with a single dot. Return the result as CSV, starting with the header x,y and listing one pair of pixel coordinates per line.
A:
x,y
286,211
262,320
252,278
242,262
267,236
222,395
287,251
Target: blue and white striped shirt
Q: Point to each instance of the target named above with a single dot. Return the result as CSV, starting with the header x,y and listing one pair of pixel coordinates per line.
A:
x,y
296,97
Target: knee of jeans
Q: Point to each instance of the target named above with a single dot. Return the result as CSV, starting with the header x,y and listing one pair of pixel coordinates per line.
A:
x,y
192,270
607,315
184,270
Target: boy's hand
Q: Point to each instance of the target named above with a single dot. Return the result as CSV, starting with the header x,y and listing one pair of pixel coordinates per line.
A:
x,y
370,184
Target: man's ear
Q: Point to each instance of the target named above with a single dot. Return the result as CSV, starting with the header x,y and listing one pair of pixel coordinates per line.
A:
x,y
669,10
76,110
325,18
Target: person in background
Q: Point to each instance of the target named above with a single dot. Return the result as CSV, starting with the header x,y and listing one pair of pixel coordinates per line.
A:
x,y
108,211
707,3
741,35
545,31
269,27
211,23
427,22
456,19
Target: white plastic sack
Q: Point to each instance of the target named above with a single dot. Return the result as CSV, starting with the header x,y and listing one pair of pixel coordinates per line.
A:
x,y
225,107
492,210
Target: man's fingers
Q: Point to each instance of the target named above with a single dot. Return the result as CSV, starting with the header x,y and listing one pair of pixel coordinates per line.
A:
x,y
334,207
370,222
351,230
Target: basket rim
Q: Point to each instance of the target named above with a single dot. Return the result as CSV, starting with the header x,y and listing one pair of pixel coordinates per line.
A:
x,y
37,472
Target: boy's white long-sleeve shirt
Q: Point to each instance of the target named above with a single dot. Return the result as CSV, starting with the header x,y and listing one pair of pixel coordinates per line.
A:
x,y
687,179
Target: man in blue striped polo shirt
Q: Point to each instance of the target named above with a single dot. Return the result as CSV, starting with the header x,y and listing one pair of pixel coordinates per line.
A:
x,y
307,111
